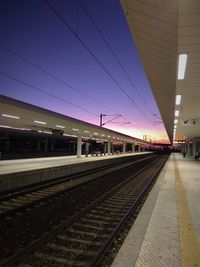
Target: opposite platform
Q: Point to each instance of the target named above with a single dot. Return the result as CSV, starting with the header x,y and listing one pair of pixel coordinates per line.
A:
x,y
167,230
24,172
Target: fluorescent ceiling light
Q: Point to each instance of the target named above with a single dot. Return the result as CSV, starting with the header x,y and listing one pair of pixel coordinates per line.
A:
x,y
86,132
176,113
182,66
60,126
74,129
40,122
9,116
178,99
10,127
96,133
175,121
175,126
70,135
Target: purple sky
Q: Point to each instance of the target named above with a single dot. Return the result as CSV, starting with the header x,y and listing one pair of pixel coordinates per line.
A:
x,y
31,30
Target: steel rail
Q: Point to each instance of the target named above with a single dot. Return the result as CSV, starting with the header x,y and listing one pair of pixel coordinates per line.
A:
x,y
99,172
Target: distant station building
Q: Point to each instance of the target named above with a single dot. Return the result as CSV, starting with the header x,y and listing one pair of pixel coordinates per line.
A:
x,y
31,131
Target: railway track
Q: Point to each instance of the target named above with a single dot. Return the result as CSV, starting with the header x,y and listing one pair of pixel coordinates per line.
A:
x,y
18,201
84,238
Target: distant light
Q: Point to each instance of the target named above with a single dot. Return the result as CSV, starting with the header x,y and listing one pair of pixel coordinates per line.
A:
x,y
74,129
108,136
182,66
102,134
72,135
178,99
10,127
60,126
176,113
86,132
47,132
96,133
40,122
175,121
175,126
9,116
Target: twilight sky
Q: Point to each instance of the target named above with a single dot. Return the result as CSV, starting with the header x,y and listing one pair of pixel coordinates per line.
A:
x,y
77,59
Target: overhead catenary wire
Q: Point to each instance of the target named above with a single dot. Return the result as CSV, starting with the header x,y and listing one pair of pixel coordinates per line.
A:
x,y
45,92
118,61
55,77
56,13
11,51
113,53
52,75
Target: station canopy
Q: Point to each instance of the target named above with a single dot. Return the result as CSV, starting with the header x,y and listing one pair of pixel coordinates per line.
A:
x,y
23,116
163,30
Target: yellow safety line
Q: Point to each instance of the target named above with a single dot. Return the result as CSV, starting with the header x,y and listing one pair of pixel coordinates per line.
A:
x,y
190,249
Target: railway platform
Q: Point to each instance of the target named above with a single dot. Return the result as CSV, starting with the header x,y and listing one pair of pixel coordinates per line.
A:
x,y
167,230
20,165
23,172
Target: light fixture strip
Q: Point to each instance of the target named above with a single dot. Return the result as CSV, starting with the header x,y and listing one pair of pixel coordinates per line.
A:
x,y
178,100
175,121
60,126
40,122
9,116
182,66
176,113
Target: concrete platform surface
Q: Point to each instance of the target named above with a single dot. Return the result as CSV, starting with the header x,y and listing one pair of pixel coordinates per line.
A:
x,y
167,231
25,172
21,165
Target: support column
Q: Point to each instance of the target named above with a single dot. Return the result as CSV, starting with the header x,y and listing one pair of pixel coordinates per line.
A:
x,y
87,148
79,146
104,149
133,147
188,149
138,148
194,147
109,147
52,146
124,148
38,145
46,145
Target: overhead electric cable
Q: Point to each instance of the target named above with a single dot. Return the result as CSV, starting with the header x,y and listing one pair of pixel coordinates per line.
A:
x,y
96,59
113,53
94,56
45,92
118,61
52,75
